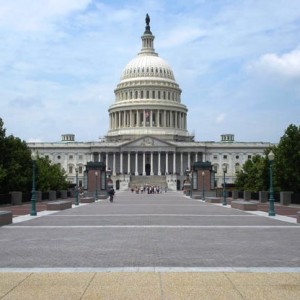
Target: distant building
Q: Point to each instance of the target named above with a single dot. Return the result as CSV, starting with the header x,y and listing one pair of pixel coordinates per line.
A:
x,y
148,140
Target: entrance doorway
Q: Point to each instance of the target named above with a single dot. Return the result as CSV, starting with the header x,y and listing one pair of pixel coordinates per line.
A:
x,y
147,169
178,185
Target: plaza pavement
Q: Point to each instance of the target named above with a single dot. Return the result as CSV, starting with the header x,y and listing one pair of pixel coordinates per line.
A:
x,y
142,246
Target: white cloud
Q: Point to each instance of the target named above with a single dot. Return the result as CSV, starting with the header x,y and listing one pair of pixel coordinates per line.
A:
x,y
34,15
285,65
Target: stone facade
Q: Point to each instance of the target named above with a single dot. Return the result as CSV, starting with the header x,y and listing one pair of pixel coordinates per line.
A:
x,y
148,133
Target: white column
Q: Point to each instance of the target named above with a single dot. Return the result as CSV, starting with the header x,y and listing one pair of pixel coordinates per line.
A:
x,y
121,162
151,119
144,119
130,119
174,162
128,163
167,162
106,160
136,164
144,162
114,164
189,161
181,163
119,119
196,158
137,118
203,156
151,166
158,167
165,118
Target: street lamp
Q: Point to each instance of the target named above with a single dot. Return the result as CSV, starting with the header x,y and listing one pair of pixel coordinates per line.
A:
x,y
33,202
224,185
271,199
203,185
77,189
96,195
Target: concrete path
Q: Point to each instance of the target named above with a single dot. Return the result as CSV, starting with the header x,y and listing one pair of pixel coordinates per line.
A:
x,y
164,246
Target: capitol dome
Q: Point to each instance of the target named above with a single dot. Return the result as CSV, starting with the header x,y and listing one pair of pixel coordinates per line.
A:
x,y
147,66
147,98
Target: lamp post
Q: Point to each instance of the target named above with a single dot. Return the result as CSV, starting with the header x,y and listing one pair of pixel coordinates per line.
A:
x,y
77,189
224,185
203,185
96,195
271,199
33,200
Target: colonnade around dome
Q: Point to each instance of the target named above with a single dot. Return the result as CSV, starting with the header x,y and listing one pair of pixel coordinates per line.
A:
x,y
148,118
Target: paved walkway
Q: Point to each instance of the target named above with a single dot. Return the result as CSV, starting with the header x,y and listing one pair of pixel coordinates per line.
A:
x,y
164,246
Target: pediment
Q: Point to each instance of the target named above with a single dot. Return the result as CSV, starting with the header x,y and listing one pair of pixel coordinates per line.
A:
x,y
147,141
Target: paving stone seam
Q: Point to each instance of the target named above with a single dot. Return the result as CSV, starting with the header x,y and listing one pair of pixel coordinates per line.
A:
x,y
153,226
155,270
15,286
233,285
161,286
88,285
150,215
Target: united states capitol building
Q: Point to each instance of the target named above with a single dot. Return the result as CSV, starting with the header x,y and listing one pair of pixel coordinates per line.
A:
x,y
148,140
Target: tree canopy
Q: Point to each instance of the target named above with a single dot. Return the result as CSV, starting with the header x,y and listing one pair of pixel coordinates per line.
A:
x,y
254,174
287,160
16,167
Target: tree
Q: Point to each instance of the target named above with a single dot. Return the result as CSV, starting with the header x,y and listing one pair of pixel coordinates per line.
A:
x,y
253,175
16,167
287,160
49,177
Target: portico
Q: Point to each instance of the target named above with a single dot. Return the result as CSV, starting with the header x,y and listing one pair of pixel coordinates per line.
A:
x,y
148,156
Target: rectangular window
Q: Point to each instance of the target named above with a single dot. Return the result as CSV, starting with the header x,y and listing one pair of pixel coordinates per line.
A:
x,y
224,156
80,170
70,169
70,156
80,156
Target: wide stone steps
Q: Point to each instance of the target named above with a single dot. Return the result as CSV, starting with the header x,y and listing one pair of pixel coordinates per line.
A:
x,y
148,180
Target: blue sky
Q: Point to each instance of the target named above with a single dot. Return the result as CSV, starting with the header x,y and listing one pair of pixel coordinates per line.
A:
x,y
237,62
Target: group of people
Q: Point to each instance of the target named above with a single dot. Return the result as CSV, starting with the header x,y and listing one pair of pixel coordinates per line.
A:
x,y
149,189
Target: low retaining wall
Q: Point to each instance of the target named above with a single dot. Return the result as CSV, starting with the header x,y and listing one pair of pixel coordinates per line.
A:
x,y
59,205
243,205
5,217
213,200
87,200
